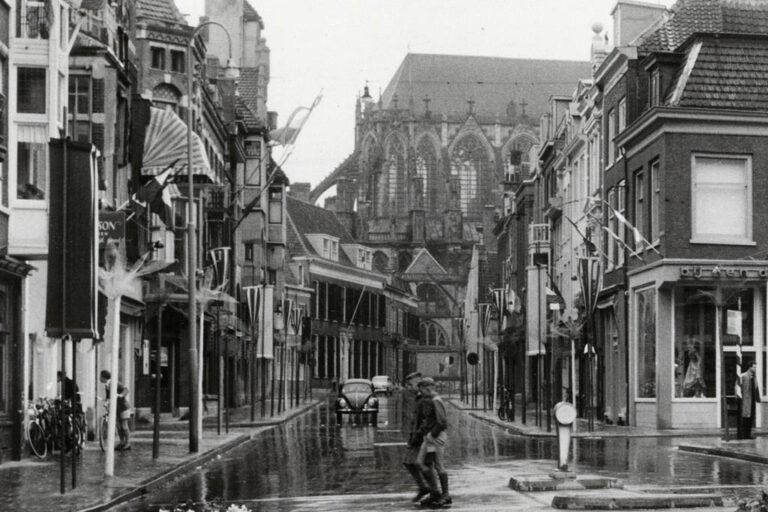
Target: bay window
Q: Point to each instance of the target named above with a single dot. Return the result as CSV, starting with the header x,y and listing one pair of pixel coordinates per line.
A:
x,y
654,199
721,199
31,94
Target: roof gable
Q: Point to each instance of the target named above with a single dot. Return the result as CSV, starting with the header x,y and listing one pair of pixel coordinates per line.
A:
x,y
307,219
425,263
162,10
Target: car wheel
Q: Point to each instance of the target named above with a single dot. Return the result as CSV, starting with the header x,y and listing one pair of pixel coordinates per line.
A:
x,y
338,418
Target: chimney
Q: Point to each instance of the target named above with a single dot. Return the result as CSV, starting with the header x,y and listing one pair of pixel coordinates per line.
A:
x,y
632,17
271,121
600,47
300,191
330,203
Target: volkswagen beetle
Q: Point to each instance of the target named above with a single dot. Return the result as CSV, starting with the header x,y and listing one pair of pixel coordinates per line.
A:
x,y
356,396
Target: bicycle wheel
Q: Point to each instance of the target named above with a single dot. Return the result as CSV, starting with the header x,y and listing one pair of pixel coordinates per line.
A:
x,y
502,413
36,439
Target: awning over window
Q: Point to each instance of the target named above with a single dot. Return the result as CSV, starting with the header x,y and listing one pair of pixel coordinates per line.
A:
x,y
165,142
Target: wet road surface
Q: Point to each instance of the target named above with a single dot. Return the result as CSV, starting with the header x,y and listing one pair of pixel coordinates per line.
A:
x,y
311,463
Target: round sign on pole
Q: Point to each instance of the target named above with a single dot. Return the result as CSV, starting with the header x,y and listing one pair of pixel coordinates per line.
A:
x,y
472,358
565,413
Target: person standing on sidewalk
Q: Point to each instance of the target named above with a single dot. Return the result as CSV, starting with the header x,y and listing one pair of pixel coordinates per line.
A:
x,y
432,453
123,410
414,404
750,394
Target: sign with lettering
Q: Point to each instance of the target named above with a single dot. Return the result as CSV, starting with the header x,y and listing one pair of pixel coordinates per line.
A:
x,y
111,228
734,322
723,272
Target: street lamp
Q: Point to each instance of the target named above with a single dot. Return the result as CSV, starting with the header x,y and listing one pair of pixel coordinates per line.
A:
x,y
195,425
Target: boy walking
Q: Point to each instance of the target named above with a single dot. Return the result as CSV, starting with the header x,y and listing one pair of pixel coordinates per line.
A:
x,y
432,453
414,404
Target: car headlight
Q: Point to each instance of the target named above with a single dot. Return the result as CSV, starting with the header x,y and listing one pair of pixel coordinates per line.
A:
x,y
372,401
342,403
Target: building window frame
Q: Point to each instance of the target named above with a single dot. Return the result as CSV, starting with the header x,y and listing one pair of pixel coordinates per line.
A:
x,y
29,100
621,231
178,61
157,57
610,134
654,201
275,205
639,195
698,237
645,388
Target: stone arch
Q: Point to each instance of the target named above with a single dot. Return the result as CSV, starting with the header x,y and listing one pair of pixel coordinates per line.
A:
x,y
427,168
395,160
471,163
380,261
432,335
166,96
404,259
522,142
367,165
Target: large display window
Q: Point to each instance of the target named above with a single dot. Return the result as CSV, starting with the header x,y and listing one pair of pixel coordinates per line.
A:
x,y
695,363
646,342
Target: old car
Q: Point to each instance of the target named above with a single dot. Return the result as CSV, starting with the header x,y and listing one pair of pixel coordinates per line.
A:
x,y
383,384
357,397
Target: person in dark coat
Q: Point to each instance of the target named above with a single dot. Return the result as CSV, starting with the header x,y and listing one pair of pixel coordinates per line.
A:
x,y
750,394
413,413
431,457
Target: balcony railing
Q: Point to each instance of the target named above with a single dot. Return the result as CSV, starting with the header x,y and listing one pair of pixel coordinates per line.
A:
x,y
387,237
538,234
33,20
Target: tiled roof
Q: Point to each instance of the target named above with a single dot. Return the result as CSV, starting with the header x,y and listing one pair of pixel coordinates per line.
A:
x,y
162,10
492,82
307,219
730,72
248,87
248,115
250,14
688,17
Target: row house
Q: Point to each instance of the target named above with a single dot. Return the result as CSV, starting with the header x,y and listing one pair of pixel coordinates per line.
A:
x,y
362,323
694,167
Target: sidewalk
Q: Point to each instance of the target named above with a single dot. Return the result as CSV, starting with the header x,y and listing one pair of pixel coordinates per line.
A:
x,y
32,485
580,427
238,418
750,450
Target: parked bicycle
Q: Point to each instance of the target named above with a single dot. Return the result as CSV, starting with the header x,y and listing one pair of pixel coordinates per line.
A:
x,y
49,419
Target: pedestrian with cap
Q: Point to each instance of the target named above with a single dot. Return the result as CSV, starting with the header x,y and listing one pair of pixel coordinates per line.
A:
x,y
414,410
431,458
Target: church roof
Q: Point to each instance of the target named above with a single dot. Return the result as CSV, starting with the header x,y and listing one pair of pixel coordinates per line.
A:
x,y
161,10
451,81
425,263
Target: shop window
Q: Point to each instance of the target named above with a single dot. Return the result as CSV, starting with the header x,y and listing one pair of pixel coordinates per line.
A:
x,y
722,199
695,344
31,94
158,57
645,336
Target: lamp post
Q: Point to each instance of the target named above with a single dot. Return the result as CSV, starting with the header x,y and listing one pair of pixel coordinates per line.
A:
x,y
195,426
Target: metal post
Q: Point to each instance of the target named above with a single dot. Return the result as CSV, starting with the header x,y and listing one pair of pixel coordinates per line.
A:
x,y
60,415
72,405
227,387
191,262
220,373
158,370
65,170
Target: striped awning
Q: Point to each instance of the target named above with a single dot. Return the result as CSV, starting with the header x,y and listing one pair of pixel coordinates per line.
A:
x,y
165,142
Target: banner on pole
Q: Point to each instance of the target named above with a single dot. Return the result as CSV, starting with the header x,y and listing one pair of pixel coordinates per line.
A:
x,y
734,323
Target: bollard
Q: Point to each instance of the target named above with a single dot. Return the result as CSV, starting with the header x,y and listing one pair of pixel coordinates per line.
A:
x,y
565,415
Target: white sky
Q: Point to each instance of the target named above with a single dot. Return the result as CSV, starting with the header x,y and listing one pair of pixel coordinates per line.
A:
x,y
336,45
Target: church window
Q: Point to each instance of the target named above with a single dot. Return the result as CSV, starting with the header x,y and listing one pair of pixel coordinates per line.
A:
x,y
432,335
395,175
470,162
426,165
517,164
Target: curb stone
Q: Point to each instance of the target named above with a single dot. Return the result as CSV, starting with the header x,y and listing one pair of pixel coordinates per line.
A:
x,y
184,467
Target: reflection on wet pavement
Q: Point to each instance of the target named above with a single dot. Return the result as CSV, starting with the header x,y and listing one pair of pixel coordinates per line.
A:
x,y
310,463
